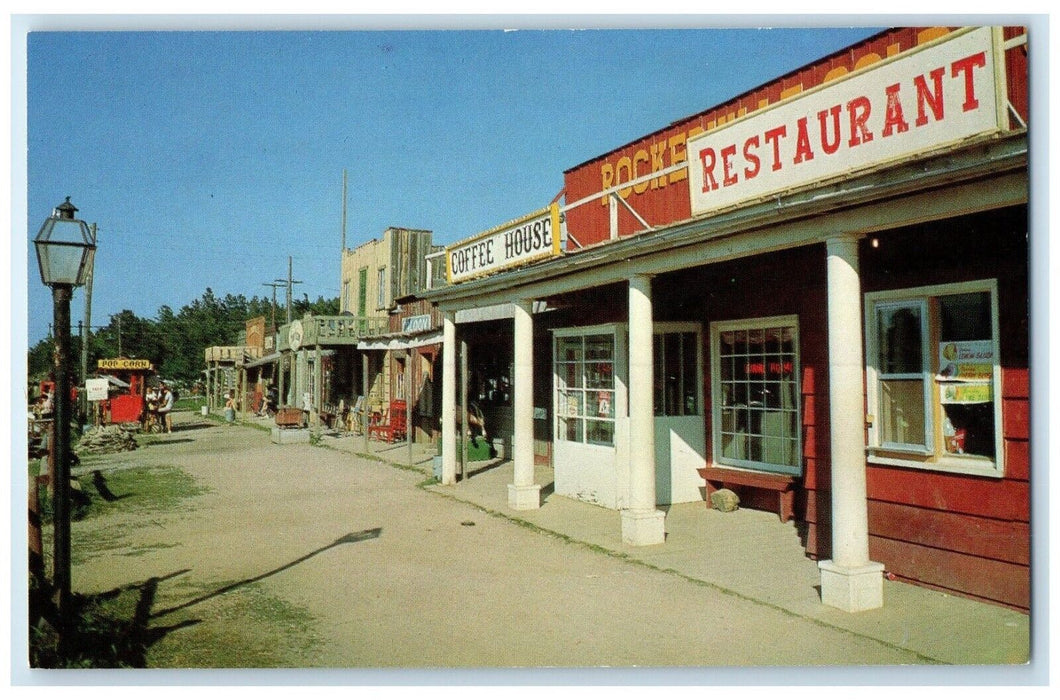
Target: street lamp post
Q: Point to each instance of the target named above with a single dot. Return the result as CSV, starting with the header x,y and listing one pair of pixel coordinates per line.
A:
x,y
65,252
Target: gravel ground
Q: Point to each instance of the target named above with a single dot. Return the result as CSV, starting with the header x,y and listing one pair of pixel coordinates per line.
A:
x,y
298,556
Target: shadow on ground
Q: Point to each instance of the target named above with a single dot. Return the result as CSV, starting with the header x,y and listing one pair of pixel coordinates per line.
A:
x,y
116,628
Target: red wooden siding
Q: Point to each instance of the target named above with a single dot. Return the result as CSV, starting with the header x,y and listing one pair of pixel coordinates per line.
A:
x,y
1016,69
959,533
965,534
1003,540
974,576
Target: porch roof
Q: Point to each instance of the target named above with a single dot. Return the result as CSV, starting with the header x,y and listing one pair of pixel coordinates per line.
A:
x,y
984,173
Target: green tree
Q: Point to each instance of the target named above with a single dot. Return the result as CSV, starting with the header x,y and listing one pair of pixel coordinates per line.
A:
x,y
173,341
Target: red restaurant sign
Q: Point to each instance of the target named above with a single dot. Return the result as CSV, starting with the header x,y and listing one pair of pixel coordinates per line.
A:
x,y
931,97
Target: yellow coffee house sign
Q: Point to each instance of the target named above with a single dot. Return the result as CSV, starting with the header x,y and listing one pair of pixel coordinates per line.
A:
x,y
124,363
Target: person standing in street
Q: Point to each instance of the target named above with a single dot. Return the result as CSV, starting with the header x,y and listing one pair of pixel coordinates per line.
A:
x,y
165,408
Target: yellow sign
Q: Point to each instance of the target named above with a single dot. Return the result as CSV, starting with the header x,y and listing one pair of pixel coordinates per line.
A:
x,y
124,363
531,238
966,393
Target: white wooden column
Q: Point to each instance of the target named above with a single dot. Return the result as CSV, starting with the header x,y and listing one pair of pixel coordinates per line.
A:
x,y
849,581
642,523
449,398
524,494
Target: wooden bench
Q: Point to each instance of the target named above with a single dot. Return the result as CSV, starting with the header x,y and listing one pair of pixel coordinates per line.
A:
x,y
289,418
783,484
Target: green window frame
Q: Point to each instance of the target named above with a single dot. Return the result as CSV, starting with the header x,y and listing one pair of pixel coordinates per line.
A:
x,y
932,377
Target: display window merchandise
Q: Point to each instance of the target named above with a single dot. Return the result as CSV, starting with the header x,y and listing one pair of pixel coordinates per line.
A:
x,y
932,374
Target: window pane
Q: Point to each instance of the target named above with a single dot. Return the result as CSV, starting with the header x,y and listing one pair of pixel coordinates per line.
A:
x,y
571,429
776,450
757,379
600,375
788,395
569,350
584,383
602,404
570,404
968,429
599,432
658,353
739,343
599,347
902,412
733,438
966,355
672,369
899,340
965,317
690,378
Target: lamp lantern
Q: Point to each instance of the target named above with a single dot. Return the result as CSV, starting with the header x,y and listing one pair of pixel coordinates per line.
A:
x,y
65,248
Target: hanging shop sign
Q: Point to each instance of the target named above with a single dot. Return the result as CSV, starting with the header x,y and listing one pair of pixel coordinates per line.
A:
x,y
123,363
332,330
230,353
416,324
97,389
295,335
531,238
938,95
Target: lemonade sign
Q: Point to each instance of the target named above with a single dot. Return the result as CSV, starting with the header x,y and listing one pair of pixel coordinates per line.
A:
x,y
967,360
966,393
966,371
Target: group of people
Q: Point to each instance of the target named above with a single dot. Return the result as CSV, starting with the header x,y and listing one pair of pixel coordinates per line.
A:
x,y
160,401
44,406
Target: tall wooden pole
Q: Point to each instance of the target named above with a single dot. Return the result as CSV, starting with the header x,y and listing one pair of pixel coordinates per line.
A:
x,y
86,334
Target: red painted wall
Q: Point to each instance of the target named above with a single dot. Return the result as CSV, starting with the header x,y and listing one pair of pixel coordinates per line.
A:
x,y
968,535
962,533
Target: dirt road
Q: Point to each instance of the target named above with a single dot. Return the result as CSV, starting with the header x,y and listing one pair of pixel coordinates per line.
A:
x,y
298,556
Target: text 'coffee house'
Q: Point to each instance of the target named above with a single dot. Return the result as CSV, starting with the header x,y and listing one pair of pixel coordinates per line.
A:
x,y
814,294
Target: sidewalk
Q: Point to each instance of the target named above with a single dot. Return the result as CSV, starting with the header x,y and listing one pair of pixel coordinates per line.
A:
x,y
749,554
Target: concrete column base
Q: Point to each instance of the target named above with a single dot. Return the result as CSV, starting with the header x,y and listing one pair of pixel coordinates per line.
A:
x,y
524,497
290,436
852,589
643,527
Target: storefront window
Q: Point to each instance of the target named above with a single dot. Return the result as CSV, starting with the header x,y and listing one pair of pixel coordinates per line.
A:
x,y
932,374
902,335
585,388
676,379
756,394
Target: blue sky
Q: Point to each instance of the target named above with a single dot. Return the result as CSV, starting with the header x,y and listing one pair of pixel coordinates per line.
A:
x,y
207,158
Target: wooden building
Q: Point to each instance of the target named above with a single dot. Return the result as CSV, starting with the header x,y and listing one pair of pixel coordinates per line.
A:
x,y
816,294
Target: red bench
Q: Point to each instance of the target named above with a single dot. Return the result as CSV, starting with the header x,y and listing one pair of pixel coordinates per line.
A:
x,y
392,425
289,418
783,484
